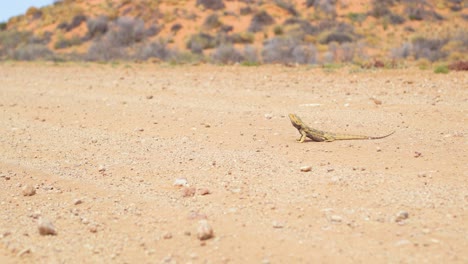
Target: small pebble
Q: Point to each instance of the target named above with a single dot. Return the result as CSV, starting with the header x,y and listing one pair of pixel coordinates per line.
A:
x,y
417,154
77,201
101,168
203,191
46,227
180,182
268,116
92,228
23,252
278,224
204,230
336,218
29,190
149,97
402,215
188,192
167,235
306,168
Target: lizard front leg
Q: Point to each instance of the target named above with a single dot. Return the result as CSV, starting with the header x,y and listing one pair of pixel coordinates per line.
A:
x,y
303,136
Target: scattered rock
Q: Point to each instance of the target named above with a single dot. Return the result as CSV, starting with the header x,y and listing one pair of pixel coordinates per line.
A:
x,y
306,168
401,216
417,154
77,201
204,230
101,168
92,228
181,182
29,190
336,219
268,116
23,252
167,235
203,191
46,227
378,149
376,101
402,242
149,97
188,192
278,224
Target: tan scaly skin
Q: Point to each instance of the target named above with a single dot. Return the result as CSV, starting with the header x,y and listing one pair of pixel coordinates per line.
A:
x,y
320,136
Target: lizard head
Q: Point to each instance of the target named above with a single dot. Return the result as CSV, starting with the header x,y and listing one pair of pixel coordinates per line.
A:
x,y
295,121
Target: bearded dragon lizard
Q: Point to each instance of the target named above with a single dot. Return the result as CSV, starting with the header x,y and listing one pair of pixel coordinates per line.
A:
x,y
317,135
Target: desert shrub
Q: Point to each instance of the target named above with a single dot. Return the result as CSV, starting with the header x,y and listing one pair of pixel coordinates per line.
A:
x,y
278,30
396,19
126,32
403,51
245,10
357,17
34,13
97,26
9,40
420,10
259,21
211,4
305,54
175,28
226,54
459,66
153,30
243,38
288,6
336,36
30,52
226,28
63,43
250,55
288,50
198,42
76,22
441,69
304,25
105,51
157,49
327,7
310,3
3,26
380,8
212,21
429,48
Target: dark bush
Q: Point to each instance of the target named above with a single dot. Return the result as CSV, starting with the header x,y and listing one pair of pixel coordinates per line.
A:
x,y
403,51
175,28
243,38
459,66
310,3
126,32
381,8
226,54
212,21
250,55
62,26
3,26
66,43
211,4
288,6
153,31
10,40
305,25
105,51
157,49
245,10
226,28
97,26
198,42
288,50
30,52
259,21
396,19
328,7
430,49
338,37
420,10
76,22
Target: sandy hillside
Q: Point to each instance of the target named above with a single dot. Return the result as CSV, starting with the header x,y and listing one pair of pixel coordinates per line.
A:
x,y
102,146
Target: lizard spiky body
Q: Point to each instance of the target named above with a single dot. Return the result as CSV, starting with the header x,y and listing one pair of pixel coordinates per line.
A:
x,y
318,135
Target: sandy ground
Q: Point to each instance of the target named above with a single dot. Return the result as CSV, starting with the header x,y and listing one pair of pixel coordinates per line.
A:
x,y
103,145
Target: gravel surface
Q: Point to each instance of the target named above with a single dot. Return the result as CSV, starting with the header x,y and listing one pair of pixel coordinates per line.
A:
x,y
139,163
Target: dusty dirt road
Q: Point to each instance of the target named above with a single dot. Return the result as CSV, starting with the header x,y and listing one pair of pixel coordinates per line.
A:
x,y
102,145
